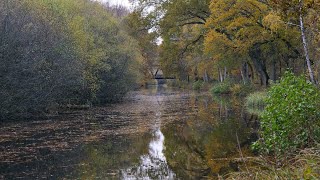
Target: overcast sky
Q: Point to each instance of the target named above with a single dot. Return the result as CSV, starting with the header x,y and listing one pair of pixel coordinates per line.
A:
x,y
117,2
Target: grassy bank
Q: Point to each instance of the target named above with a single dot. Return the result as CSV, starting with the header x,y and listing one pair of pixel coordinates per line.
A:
x,y
303,165
231,87
289,132
228,87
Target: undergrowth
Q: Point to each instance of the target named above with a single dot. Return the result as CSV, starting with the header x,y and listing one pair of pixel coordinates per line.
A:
x,y
304,165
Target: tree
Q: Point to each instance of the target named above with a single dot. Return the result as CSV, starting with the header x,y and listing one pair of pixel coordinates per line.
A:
x,y
180,23
293,13
60,52
240,29
148,48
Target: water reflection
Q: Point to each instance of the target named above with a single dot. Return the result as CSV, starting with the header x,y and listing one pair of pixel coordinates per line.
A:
x,y
206,145
153,165
157,133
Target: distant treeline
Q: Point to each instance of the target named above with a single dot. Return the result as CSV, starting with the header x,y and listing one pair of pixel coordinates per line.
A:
x,y
60,52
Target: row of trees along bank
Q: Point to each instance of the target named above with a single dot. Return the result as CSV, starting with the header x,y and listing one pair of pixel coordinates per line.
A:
x,y
60,52
251,40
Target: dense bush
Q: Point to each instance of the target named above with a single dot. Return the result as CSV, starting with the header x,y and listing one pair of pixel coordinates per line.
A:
x,y
291,119
58,52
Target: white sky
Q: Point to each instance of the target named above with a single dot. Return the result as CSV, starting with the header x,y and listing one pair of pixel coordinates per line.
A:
x,y
118,2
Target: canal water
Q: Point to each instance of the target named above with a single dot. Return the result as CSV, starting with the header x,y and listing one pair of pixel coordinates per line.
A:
x,y
155,133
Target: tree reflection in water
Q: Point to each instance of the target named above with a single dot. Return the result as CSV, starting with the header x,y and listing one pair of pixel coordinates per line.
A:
x,y
158,133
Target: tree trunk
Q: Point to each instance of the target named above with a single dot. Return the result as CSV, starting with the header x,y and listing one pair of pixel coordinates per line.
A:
x,y
195,74
251,76
273,71
245,72
205,76
280,69
220,75
305,44
261,68
242,76
259,64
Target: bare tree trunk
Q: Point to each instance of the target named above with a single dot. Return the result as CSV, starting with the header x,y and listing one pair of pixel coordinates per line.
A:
x,y
245,72
205,76
305,45
225,72
220,75
242,76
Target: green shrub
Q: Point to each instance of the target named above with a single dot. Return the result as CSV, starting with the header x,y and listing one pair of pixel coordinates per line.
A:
x,y
221,88
291,119
197,85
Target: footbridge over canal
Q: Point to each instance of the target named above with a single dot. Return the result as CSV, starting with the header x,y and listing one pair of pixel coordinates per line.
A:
x,y
161,78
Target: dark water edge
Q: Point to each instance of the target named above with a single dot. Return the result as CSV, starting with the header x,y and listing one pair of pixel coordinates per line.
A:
x,y
156,133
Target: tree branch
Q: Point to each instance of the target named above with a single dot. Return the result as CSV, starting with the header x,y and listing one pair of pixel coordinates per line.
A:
x,y
189,23
187,46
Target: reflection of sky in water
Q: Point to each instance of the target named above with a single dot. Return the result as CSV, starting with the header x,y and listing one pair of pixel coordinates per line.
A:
x,y
153,165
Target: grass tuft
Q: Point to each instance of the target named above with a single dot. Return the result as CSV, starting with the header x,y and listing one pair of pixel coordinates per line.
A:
x,y
303,165
256,100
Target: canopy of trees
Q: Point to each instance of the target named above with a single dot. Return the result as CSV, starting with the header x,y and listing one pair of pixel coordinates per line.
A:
x,y
219,38
62,52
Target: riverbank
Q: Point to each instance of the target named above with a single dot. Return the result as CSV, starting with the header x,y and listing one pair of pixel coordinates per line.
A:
x,y
302,165
299,157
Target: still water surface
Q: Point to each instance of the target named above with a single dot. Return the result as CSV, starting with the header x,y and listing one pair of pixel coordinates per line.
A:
x,y
156,133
